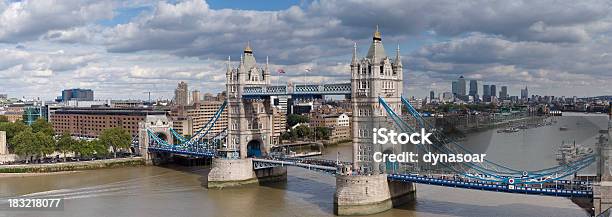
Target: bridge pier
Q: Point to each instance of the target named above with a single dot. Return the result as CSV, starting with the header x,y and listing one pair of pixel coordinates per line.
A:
x,y
237,172
369,194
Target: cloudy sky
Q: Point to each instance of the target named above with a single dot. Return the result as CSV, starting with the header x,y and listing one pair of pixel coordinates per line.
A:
x,y
124,48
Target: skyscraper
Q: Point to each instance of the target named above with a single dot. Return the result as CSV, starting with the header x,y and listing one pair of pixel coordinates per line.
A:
x,y
455,88
461,89
431,95
503,94
493,90
524,93
181,94
473,88
486,93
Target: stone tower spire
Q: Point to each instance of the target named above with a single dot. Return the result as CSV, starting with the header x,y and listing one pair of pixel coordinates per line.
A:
x,y
398,57
266,72
376,52
228,66
354,61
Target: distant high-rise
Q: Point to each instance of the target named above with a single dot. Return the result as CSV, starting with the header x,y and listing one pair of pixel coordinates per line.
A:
x,y
524,93
195,97
461,89
181,94
455,88
77,94
493,90
431,95
486,93
473,88
503,94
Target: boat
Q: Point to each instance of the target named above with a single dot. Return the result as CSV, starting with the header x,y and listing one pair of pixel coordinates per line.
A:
x,y
563,128
568,153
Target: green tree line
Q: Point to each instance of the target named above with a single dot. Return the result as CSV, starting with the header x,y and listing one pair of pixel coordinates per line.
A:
x,y
39,140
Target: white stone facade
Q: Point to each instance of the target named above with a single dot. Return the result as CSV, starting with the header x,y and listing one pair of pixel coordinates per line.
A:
x,y
373,76
249,120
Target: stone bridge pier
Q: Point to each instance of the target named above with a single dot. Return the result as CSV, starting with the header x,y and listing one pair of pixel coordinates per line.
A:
x,y
369,194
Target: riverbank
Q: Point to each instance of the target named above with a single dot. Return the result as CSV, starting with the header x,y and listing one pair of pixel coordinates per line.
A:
x,y
70,166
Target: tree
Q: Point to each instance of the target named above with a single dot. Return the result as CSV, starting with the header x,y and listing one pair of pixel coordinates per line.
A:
x,y
41,125
115,138
84,148
302,131
66,144
12,129
322,132
45,144
294,119
24,144
3,118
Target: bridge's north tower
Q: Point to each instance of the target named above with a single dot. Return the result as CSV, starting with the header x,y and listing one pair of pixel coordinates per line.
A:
x,y
376,75
249,119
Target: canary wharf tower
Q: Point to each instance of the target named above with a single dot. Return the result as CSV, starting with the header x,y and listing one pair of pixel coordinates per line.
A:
x,y
375,75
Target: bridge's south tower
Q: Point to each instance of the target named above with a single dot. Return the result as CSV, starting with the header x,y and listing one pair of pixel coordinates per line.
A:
x,y
249,119
602,191
365,189
373,76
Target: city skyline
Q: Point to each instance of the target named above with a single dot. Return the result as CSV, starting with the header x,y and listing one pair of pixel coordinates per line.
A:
x,y
121,50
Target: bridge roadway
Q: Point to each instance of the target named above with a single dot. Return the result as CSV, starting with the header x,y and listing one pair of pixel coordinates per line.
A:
x,y
559,188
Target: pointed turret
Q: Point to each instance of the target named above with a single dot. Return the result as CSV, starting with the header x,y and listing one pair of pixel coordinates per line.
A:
x,y
398,57
228,66
354,61
249,60
377,50
248,48
377,35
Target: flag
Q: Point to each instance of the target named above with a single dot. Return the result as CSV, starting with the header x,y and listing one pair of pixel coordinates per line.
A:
x,y
280,71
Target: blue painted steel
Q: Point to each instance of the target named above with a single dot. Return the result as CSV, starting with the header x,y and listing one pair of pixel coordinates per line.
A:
x,y
490,171
490,186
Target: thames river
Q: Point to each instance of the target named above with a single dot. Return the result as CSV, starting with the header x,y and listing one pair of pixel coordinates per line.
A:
x,y
180,191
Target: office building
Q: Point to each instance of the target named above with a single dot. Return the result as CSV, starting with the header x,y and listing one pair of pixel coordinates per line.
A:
x,y
90,122
486,93
524,93
181,94
188,120
493,90
461,89
77,95
195,97
503,94
473,88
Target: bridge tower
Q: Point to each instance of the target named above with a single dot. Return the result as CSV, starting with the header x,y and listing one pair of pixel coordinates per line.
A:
x,y
374,76
364,189
249,119
602,191
249,128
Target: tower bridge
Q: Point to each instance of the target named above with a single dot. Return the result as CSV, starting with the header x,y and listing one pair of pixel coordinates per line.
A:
x,y
241,153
